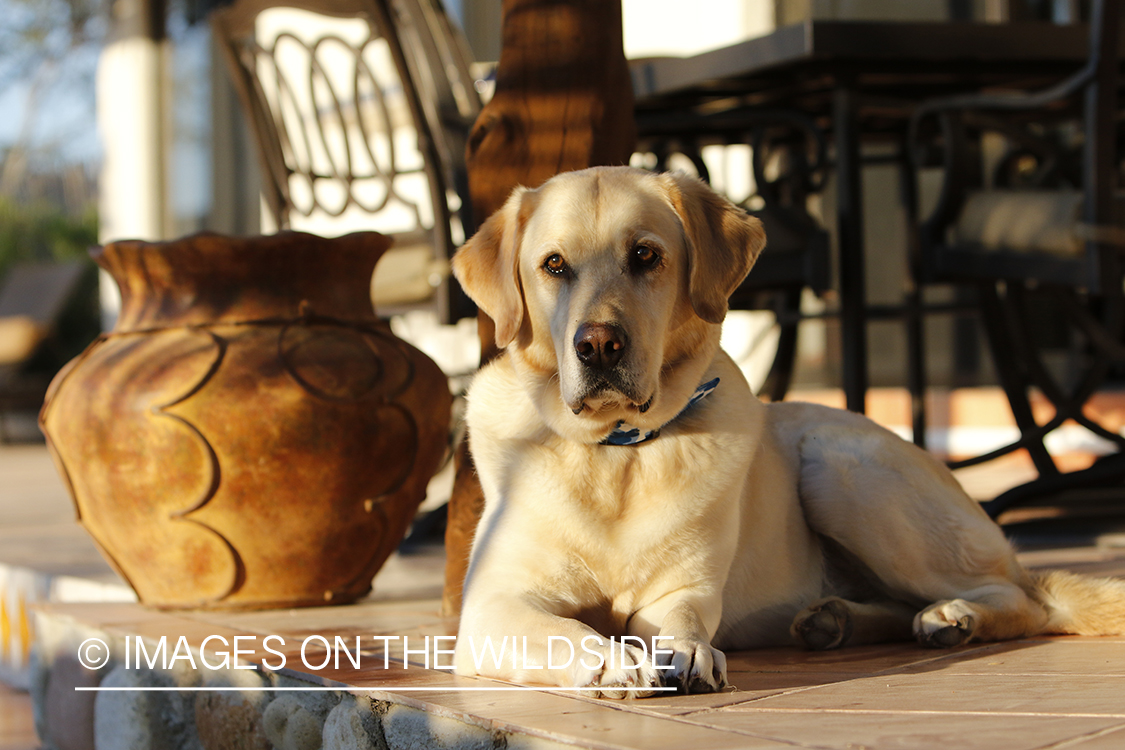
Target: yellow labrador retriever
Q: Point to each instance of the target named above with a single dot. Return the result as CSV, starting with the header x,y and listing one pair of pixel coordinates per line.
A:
x,y
643,510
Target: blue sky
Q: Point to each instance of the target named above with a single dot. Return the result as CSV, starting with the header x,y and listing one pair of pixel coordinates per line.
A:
x,y
65,126
65,121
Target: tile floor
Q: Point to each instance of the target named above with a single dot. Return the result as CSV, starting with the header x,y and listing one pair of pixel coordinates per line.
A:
x,y
1037,693
17,731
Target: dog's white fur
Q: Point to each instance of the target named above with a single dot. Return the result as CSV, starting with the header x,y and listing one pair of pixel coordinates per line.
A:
x,y
742,524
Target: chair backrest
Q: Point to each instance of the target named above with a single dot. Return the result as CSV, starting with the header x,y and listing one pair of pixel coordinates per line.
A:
x,y
33,297
1093,92
360,110
787,163
40,291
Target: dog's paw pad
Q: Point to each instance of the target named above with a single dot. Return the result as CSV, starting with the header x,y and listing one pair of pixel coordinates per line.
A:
x,y
945,624
693,666
950,635
700,685
824,625
624,675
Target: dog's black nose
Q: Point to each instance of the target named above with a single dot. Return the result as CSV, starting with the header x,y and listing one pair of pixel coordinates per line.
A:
x,y
599,345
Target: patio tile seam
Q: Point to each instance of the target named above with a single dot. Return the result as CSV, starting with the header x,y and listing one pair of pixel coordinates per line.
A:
x,y
682,719
1077,741
779,694
634,708
926,656
770,695
1060,745
511,727
426,702
969,652
757,703
847,677
918,712
631,708
1098,675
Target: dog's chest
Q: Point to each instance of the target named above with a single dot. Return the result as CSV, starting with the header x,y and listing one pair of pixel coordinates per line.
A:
x,y
655,483
627,515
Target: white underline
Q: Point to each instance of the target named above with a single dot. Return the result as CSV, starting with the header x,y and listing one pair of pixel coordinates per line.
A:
x,y
346,688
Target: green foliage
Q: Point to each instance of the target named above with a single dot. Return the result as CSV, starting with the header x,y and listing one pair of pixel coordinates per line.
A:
x,y
43,233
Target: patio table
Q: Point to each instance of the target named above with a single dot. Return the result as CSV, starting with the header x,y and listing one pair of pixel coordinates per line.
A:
x,y
860,81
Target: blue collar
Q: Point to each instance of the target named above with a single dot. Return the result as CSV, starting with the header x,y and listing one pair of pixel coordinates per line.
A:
x,y
627,434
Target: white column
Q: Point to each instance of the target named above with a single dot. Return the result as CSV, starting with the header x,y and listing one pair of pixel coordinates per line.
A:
x,y
131,86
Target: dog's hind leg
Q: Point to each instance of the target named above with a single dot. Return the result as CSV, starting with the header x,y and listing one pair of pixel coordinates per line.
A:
x,y
992,613
920,539
834,622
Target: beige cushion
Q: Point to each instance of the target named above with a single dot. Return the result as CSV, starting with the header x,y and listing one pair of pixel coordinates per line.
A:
x,y
407,275
1022,220
19,336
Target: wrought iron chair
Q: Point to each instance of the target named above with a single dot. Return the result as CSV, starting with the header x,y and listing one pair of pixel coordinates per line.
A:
x,y
363,124
788,163
1041,234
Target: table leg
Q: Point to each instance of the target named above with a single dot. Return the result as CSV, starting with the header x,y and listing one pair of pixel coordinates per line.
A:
x,y
849,223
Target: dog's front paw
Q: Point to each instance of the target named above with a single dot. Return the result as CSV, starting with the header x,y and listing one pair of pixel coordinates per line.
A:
x,y
692,666
625,672
945,624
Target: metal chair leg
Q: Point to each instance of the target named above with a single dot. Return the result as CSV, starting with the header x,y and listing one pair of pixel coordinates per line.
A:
x,y
780,376
1005,357
916,365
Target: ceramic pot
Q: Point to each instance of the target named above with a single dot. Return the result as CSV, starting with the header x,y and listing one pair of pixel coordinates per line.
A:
x,y
249,435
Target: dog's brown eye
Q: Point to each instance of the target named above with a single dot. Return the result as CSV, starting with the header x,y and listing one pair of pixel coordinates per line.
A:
x,y
556,265
645,257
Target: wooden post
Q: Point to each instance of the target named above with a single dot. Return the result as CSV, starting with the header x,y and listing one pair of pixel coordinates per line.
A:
x,y
563,101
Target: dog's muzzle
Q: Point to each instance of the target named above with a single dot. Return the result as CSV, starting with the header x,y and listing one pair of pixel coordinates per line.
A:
x,y
600,346
601,350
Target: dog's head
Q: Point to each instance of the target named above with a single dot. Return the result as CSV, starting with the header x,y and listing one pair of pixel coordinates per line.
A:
x,y
607,287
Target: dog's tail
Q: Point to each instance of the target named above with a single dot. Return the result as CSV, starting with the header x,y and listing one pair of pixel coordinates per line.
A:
x,y
1081,605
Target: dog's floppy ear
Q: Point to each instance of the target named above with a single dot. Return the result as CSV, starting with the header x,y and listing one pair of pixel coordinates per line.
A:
x,y
723,243
487,266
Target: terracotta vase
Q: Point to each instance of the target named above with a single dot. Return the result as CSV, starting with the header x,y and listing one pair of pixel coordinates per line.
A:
x,y
249,435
